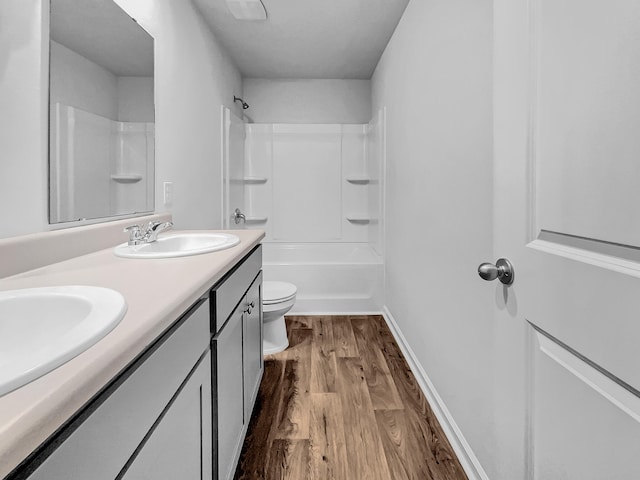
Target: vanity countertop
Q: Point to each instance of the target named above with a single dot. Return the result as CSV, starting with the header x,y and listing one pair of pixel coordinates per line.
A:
x,y
157,293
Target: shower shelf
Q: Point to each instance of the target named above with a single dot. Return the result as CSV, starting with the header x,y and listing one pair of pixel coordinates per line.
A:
x,y
360,219
358,180
126,178
254,180
256,219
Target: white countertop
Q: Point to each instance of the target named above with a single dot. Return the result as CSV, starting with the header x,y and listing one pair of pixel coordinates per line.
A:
x,y
157,293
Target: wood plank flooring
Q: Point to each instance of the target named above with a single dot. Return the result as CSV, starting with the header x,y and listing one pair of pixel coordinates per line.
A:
x,y
341,404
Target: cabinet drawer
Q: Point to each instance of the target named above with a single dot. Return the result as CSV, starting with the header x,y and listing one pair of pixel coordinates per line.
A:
x,y
101,445
230,290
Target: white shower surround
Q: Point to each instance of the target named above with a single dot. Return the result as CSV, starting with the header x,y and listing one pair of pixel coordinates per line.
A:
x,y
321,206
99,167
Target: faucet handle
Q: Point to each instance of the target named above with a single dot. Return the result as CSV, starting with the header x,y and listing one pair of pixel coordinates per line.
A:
x,y
135,234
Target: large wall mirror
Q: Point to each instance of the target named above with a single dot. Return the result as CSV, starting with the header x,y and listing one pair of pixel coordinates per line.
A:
x,y
101,130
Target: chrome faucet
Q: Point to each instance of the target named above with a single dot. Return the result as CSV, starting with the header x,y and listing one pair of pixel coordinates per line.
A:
x,y
153,229
150,235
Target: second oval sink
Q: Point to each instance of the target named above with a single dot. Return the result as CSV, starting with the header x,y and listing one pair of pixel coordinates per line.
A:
x,y
42,328
179,245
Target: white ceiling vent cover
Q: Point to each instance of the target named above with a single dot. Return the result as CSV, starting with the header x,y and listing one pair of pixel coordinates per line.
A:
x,y
247,9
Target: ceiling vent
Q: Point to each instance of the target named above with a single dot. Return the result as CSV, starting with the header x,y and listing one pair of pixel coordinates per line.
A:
x,y
247,9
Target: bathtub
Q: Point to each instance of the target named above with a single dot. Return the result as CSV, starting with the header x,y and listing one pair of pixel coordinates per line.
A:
x,y
331,277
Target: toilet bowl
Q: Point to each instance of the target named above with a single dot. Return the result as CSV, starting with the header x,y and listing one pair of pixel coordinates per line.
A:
x,y
277,299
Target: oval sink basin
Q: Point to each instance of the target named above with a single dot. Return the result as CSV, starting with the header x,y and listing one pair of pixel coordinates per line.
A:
x,y
179,245
42,328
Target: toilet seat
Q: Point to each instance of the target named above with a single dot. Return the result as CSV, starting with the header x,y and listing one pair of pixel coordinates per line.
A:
x,y
277,292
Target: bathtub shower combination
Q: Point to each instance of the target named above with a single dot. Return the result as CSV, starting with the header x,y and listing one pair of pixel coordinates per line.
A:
x,y
331,277
316,190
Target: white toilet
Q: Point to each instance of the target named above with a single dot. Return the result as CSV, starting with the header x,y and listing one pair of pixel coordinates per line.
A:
x,y
277,299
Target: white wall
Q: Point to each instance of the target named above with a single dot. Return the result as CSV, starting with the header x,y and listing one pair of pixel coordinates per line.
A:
x,y
435,80
24,50
135,99
193,77
307,101
78,82
81,83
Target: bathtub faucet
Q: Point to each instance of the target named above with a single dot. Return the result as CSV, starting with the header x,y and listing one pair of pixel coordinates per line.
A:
x,y
238,217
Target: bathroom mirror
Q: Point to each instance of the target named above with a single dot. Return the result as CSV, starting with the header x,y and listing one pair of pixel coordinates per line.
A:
x,y
101,113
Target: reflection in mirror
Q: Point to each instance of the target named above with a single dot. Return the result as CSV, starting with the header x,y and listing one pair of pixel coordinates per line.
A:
x,y
101,130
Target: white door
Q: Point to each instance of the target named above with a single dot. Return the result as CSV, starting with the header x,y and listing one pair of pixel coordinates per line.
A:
x,y
233,135
567,215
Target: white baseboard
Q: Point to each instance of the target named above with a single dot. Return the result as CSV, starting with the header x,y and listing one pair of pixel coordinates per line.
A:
x,y
331,312
467,458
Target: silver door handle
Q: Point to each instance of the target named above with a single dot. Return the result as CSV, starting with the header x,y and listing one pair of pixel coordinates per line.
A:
x,y
502,270
239,216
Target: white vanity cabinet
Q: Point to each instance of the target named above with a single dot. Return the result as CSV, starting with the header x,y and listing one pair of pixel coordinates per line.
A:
x,y
236,358
154,421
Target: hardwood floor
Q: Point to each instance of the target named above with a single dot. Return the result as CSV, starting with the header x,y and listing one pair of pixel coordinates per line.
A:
x,y
341,403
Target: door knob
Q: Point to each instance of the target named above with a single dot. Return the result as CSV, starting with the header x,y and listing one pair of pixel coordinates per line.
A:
x,y
502,270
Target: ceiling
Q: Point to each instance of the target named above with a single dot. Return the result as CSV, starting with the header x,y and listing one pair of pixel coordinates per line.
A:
x,y
102,32
307,38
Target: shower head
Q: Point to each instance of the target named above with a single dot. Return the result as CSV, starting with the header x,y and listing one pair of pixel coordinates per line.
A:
x,y
244,104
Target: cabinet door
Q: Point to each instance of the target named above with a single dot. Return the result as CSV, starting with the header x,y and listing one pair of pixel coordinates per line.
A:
x,y
112,429
252,345
179,445
228,397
